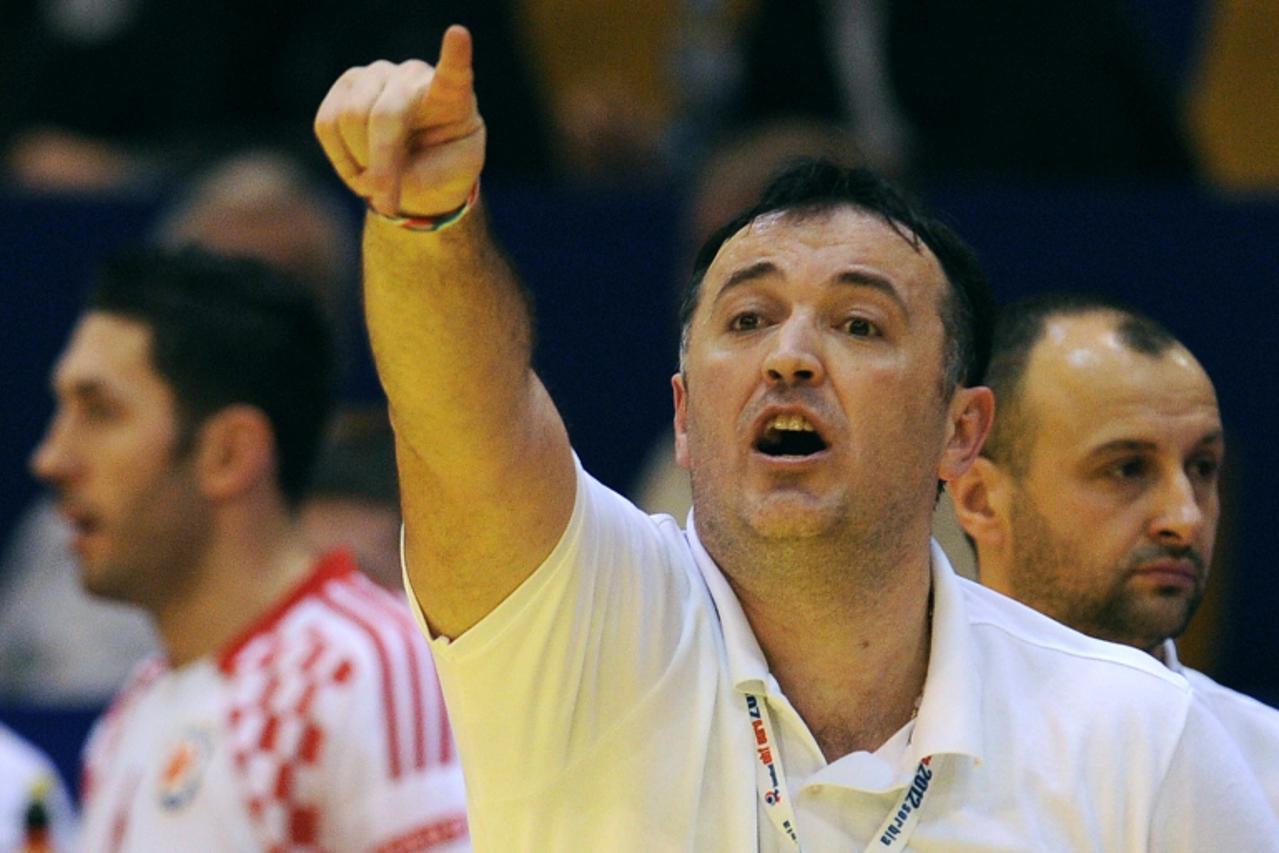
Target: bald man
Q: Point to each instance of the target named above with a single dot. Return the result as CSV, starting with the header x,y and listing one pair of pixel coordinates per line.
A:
x,y
1095,498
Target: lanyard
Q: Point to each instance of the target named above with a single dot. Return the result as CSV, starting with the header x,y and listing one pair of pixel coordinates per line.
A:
x,y
893,833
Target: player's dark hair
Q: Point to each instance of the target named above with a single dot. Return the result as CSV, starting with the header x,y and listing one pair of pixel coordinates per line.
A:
x,y
227,331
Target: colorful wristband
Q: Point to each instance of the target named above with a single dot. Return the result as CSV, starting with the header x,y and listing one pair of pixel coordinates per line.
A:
x,y
433,223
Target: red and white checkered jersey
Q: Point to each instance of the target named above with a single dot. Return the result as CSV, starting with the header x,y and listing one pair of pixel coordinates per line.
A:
x,y
321,728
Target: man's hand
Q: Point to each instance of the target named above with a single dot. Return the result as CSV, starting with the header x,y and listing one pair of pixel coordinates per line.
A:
x,y
408,137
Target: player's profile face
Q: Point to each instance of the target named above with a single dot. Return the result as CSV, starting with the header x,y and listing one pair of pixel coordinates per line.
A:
x,y
110,454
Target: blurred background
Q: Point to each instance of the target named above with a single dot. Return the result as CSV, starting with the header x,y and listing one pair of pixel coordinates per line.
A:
x,y
1129,147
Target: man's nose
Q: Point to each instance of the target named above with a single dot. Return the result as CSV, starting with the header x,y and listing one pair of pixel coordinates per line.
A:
x,y
795,355
1179,515
51,460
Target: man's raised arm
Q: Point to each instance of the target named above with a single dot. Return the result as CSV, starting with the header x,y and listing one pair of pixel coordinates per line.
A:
x,y
486,473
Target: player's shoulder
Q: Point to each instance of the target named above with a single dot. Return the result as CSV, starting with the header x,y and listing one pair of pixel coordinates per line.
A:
x,y
357,615
339,635
141,681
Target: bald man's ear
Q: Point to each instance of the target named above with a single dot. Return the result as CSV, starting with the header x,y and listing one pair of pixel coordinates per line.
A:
x,y
236,452
980,496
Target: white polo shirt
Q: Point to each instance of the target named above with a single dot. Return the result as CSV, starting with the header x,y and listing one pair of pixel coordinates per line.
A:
x,y
602,706
1252,725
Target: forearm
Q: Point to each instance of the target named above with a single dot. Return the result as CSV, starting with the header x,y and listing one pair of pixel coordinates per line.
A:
x,y
451,334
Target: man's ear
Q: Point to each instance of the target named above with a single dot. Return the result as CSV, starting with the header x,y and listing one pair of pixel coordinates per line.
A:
x,y
236,452
680,391
980,496
971,412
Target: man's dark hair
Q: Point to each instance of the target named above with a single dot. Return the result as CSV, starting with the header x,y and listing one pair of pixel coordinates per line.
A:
x,y
815,187
1019,326
227,331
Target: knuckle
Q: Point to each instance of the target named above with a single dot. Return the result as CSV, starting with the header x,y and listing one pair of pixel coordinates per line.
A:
x,y
386,116
414,66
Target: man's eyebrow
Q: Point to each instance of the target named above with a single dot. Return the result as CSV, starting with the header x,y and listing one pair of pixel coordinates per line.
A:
x,y
875,281
1215,437
759,269
1133,445
1122,445
855,277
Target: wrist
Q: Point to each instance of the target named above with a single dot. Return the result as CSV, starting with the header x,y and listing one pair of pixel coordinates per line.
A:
x,y
432,223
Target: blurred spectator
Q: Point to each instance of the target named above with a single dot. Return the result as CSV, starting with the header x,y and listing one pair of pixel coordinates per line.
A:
x,y
1057,90
354,499
103,94
606,69
1233,110
96,94
262,203
34,807
826,60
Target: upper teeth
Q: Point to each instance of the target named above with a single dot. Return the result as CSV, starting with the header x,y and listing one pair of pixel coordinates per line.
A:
x,y
791,423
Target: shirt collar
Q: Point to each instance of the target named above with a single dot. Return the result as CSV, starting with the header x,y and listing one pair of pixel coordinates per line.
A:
x,y
1167,655
949,720
950,715
337,563
746,665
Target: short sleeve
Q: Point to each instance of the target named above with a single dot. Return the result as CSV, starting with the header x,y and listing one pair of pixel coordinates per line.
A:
x,y
571,653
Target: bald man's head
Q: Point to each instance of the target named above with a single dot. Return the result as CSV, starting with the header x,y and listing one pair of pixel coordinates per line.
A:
x,y
1096,500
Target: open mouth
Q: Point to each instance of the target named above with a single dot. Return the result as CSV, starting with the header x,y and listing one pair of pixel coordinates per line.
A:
x,y
790,435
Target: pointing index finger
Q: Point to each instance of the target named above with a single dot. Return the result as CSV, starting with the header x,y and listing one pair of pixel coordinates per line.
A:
x,y
454,67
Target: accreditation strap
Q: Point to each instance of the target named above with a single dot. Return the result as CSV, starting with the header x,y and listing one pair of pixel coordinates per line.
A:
x,y
768,772
893,833
896,829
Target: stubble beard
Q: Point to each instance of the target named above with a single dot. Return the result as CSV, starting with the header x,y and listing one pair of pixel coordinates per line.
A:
x,y
1043,563
848,537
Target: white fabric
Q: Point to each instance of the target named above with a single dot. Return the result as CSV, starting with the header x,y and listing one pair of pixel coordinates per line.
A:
x,y
26,774
322,729
600,707
1252,725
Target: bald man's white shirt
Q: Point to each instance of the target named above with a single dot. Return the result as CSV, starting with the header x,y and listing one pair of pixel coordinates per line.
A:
x,y
601,706
1252,725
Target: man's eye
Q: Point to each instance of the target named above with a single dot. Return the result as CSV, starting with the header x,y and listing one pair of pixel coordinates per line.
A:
x,y
745,322
1204,469
860,327
1129,469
